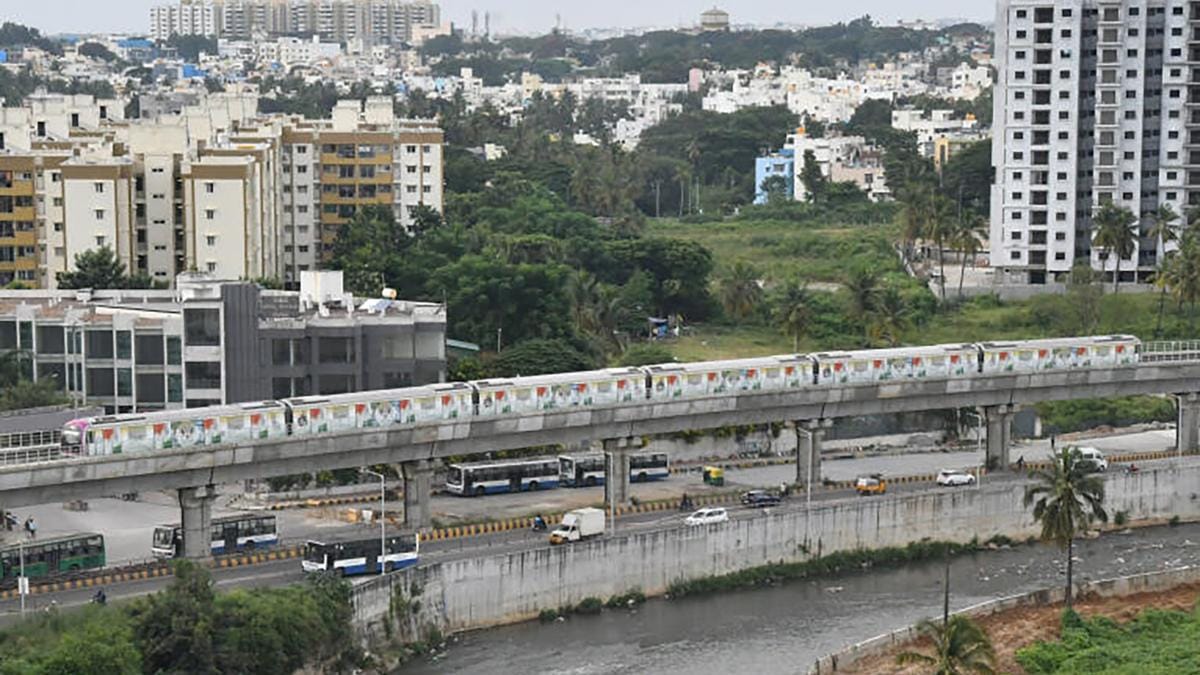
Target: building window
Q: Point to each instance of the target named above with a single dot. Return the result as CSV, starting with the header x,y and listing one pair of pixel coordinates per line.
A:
x,y
124,344
210,187
202,327
174,350
210,239
210,214
203,374
99,214
211,266
99,187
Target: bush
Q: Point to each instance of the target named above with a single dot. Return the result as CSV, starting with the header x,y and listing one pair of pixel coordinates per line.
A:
x,y
548,615
634,597
589,606
1121,518
646,354
1059,417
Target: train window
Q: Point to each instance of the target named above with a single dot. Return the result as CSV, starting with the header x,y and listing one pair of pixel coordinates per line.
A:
x,y
771,373
234,423
937,360
427,403
341,412
523,394
135,432
859,366
604,387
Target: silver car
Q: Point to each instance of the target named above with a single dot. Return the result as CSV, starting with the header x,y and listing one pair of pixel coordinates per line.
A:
x,y
955,477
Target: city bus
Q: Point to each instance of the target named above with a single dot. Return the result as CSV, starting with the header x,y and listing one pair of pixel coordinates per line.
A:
x,y
479,478
587,469
360,556
230,534
52,557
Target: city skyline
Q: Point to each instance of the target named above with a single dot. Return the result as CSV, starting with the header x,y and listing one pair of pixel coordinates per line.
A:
x,y
531,16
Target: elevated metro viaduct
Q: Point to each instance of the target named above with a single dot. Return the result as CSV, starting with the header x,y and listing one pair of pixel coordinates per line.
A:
x,y
619,428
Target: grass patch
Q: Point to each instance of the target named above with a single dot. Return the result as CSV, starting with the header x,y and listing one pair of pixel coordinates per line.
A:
x,y
589,606
1157,641
834,563
634,597
1060,417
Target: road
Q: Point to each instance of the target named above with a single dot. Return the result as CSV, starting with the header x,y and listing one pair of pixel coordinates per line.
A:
x,y
128,526
288,571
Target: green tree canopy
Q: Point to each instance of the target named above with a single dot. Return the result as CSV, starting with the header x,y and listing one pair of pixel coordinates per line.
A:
x,y
99,268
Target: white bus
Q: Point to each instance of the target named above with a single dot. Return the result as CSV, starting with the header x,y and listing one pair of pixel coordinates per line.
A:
x,y
360,556
231,534
516,475
587,469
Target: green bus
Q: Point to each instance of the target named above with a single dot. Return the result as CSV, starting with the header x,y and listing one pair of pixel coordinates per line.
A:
x,y
52,557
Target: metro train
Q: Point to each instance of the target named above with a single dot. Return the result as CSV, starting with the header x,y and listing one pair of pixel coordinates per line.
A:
x,y
484,399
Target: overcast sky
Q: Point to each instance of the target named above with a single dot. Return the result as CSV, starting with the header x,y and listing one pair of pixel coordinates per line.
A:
x,y
534,16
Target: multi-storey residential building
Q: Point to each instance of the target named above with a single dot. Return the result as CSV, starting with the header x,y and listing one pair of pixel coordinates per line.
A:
x,y
362,157
209,342
215,187
1092,105
390,22
189,17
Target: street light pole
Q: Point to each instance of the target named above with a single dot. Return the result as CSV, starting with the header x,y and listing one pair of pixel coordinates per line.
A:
x,y
382,518
23,583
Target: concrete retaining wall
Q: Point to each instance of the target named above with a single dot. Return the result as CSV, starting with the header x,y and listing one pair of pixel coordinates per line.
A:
x,y
497,589
1104,588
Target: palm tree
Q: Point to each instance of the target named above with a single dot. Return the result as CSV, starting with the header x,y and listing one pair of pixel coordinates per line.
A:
x,y
1116,233
960,646
863,286
1162,232
793,310
890,317
968,239
1066,499
914,215
739,290
940,227
1182,273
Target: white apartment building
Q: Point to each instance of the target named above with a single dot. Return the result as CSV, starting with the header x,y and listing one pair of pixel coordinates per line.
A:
x,y
189,17
216,187
373,21
1091,105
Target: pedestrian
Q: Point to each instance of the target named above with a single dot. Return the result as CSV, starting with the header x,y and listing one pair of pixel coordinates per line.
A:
x,y
10,521
1021,463
1052,444
31,527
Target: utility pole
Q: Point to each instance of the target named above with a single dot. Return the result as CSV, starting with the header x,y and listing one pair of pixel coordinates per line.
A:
x,y
22,582
382,518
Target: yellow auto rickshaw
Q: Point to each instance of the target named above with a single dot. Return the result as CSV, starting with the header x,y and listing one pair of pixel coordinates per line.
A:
x,y
873,484
714,475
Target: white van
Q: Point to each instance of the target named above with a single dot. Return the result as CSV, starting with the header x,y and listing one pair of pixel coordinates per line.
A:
x,y
1092,458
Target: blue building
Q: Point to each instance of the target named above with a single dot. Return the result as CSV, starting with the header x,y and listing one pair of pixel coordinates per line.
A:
x,y
782,164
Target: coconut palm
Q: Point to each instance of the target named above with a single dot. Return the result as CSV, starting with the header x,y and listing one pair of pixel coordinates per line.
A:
x,y
968,239
1066,498
940,228
960,646
739,290
863,286
1115,233
1181,276
793,310
890,317
1161,232
914,215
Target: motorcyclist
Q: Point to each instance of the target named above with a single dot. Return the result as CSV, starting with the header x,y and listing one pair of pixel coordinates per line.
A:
x,y
100,598
539,523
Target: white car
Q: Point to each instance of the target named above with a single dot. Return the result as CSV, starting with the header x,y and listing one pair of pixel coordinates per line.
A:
x,y
708,516
954,477
1091,459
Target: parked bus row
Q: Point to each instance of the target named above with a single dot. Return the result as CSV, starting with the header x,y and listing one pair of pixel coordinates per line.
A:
x,y
474,479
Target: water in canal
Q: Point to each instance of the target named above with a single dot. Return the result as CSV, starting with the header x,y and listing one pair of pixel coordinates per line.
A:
x,y
785,629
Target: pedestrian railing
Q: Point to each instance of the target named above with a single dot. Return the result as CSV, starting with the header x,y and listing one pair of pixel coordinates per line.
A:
x,y
1168,351
30,455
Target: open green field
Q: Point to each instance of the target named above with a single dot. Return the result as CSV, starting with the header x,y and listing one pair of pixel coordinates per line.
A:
x,y
1157,641
823,255
782,249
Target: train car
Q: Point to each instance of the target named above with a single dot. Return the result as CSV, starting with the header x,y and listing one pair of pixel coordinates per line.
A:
x,y
371,409
691,380
565,390
936,362
171,429
1029,356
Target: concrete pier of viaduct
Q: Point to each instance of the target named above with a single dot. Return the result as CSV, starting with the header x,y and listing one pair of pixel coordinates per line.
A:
x,y
619,427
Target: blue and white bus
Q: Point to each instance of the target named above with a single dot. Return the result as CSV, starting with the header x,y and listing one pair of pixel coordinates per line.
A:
x,y
513,475
230,534
360,556
587,469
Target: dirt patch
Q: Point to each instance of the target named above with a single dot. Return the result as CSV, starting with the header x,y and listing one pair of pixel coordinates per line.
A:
x,y
1011,630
